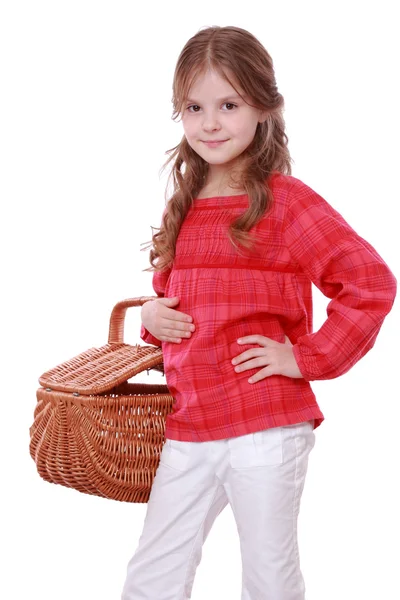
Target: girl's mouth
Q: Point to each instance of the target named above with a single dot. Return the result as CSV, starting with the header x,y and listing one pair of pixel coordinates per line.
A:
x,y
215,144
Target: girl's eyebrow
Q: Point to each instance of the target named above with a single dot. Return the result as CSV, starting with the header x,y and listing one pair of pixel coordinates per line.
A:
x,y
231,97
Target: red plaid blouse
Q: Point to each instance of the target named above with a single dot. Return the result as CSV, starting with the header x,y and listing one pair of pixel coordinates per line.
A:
x,y
303,239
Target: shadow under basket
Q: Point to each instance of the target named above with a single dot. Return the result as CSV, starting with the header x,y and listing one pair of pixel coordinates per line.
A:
x,y
93,430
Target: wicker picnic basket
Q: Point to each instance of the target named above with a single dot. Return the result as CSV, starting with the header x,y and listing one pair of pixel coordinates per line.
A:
x,y
93,430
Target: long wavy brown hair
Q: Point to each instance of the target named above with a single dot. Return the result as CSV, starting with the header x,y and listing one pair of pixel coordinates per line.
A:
x,y
235,51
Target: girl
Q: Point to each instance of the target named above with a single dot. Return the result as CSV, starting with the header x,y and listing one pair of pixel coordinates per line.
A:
x,y
241,241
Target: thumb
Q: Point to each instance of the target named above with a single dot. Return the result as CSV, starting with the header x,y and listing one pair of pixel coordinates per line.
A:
x,y
287,341
173,300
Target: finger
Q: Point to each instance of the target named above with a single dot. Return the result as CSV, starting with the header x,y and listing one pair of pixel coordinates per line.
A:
x,y
172,313
180,316
174,333
248,354
171,325
252,364
266,372
174,340
254,339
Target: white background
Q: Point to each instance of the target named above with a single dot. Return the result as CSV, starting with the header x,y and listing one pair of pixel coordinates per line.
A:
x,y
85,124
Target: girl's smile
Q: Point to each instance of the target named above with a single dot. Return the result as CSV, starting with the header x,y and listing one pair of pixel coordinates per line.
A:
x,y
215,144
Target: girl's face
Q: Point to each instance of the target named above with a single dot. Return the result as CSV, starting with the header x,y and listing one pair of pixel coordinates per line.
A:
x,y
214,111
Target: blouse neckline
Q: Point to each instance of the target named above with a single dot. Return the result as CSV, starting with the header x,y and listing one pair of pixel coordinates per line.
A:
x,y
220,197
231,196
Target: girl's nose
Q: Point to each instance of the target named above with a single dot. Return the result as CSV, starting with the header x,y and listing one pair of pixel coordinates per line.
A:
x,y
210,123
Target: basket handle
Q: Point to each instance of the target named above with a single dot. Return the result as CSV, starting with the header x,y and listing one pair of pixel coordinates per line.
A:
x,y
117,319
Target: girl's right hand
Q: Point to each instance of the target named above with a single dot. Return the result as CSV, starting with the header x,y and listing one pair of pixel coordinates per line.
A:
x,y
164,323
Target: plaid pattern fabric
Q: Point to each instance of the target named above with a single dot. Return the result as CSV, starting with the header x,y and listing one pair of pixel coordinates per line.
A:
x,y
266,290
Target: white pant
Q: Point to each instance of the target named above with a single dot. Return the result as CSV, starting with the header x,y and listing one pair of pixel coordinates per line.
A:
x,y
262,477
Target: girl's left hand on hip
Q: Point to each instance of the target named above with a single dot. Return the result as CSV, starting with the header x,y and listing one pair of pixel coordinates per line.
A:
x,y
278,358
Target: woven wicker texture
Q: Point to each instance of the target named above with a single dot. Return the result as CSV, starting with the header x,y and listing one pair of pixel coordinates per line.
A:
x,y
93,430
96,370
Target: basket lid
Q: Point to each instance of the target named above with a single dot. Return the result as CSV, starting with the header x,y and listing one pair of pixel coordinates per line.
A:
x,y
99,369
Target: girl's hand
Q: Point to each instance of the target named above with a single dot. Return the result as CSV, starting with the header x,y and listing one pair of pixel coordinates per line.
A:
x,y
278,358
166,324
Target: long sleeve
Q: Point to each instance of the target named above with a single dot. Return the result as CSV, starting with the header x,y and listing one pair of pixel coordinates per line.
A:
x,y
159,282
345,268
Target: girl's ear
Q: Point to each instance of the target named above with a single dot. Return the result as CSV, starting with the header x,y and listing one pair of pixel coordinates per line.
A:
x,y
262,117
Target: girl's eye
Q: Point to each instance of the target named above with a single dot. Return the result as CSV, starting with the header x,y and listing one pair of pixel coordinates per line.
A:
x,y
196,105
